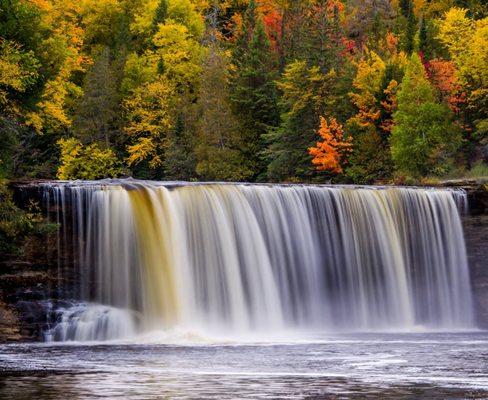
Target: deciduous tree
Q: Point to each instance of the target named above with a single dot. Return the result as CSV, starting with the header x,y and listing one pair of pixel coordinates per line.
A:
x,y
424,136
330,154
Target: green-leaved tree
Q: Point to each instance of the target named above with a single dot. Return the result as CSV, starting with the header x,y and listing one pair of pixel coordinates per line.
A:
x,y
424,136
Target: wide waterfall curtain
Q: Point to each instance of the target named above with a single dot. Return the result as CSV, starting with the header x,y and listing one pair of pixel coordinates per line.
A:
x,y
264,258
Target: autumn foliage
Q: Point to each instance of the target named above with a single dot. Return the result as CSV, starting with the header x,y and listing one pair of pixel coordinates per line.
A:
x,y
442,74
330,154
233,89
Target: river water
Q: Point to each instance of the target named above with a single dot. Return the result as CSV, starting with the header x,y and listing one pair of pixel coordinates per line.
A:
x,y
373,365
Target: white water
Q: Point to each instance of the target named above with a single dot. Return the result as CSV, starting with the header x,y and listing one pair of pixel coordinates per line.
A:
x,y
82,322
262,259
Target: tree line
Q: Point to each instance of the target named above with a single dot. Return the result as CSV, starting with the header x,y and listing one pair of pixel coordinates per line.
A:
x,y
243,90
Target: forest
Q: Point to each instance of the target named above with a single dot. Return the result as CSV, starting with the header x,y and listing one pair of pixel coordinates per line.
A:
x,y
351,91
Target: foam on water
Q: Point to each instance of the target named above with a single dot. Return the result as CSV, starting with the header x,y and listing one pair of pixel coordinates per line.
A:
x,y
91,322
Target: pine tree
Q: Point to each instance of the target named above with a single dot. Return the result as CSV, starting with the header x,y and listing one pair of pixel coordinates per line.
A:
x,y
219,136
96,114
307,93
323,44
179,158
423,44
253,89
160,15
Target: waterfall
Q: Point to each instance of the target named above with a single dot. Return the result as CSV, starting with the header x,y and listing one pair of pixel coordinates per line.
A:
x,y
261,258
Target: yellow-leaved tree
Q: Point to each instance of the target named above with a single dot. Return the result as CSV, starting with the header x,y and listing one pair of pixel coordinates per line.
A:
x,y
149,112
86,162
467,42
18,71
65,47
161,82
367,85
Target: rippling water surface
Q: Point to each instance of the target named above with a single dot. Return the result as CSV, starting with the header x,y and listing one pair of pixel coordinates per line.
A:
x,y
373,366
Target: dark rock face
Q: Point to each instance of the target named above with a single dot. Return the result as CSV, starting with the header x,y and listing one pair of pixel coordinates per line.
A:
x,y
27,281
9,324
24,303
476,234
30,281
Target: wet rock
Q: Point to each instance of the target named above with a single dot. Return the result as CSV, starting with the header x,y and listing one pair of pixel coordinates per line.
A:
x,y
477,190
9,324
34,318
23,305
476,234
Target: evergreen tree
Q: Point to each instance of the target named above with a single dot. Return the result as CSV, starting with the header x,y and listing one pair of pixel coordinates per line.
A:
x,y
98,109
253,89
160,15
323,41
307,94
423,44
179,160
220,138
310,88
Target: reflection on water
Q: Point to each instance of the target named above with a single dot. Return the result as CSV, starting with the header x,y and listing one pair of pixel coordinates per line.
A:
x,y
372,366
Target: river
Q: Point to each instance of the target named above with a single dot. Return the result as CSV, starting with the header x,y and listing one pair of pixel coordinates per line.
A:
x,y
373,365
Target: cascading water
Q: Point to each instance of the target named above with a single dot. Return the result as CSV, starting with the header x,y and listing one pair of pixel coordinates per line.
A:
x,y
246,258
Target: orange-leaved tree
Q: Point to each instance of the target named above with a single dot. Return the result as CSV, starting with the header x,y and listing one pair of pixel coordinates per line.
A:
x,y
443,75
331,153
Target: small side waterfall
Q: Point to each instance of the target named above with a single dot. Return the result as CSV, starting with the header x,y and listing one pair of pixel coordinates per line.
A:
x,y
245,258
